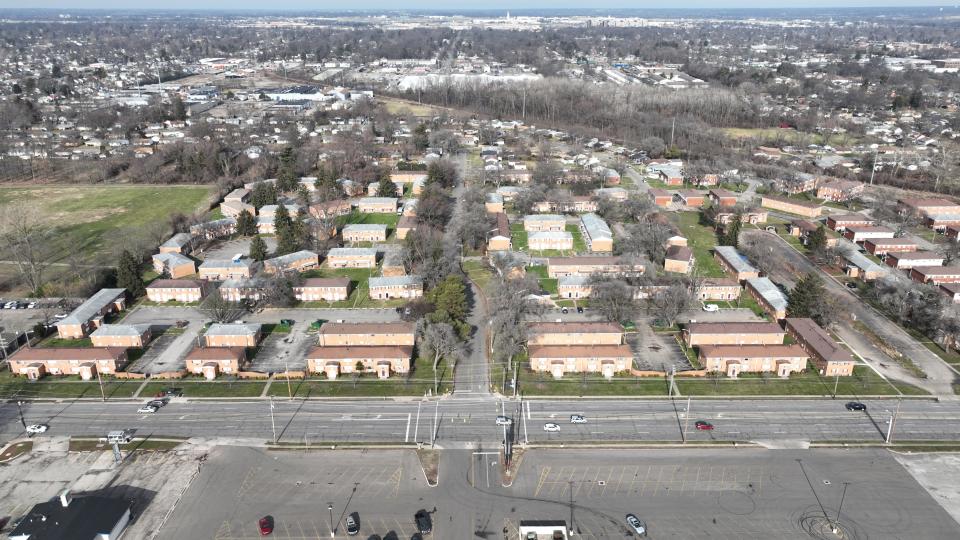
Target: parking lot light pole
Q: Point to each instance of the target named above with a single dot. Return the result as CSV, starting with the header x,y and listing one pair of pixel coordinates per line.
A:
x,y
330,508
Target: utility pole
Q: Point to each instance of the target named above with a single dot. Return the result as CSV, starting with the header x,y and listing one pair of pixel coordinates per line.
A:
x,y
686,420
893,421
524,109
103,396
330,508
836,523
836,382
286,369
20,410
516,369
873,169
273,422
433,434
673,128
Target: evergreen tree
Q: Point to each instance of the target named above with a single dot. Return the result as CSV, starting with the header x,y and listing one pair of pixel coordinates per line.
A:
x,y
178,109
263,194
420,138
246,224
258,248
287,241
287,175
386,188
128,275
806,297
731,236
818,240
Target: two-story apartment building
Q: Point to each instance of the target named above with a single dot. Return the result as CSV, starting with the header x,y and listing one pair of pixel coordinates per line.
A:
x,y
174,265
827,355
385,288
544,223
678,259
840,222
352,258
718,289
734,263
550,240
322,289
89,315
298,261
732,360
34,362
179,243
790,206
586,266
733,333
769,296
174,290
596,233
377,205
221,269
212,361
127,336
574,333
366,334
909,259
365,232
500,238
233,335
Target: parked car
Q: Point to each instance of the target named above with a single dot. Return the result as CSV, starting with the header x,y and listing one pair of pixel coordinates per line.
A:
x,y
424,524
170,392
157,403
551,427
711,307
638,526
266,525
564,311
578,419
850,285
37,428
352,526
579,309
703,426
504,420
855,406
147,409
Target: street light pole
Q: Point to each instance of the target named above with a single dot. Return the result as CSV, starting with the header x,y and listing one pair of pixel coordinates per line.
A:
x,y
686,420
330,508
273,422
20,410
836,524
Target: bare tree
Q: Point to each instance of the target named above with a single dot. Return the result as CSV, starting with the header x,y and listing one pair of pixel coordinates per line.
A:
x,y
442,341
219,309
668,303
28,241
613,298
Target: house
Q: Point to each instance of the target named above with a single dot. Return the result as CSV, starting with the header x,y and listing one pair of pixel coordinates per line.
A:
x,y
407,177
940,222
237,290
121,335
366,334
322,289
718,289
707,180
586,266
269,211
671,176
733,262
927,206
691,198
212,361
952,290
232,335
330,209
882,246
859,233
233,209
722,198
544,222
509,193
679,259
67,518
352,258
494,203
573,287
732,360
502,240
908,259
238,195
385,288
935,274
840,222
221,269
596,233
90,314
298,261
405,225
174,265
34,362
769,296
211,230
840,190
830,358
805,209
365,232
660,197
377,205
607,360
574,333
860,266
733,333
374,187
174,290
612,193
179,243
382,360
540,241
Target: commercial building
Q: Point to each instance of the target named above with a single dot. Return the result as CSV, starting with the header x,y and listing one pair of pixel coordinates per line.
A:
x,y
74,518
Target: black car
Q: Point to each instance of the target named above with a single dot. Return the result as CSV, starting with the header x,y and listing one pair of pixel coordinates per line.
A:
x,y
579,309
851,285
424,525
856,406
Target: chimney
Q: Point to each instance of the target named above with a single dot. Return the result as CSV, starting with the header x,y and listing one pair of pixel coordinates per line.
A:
x,y
65,498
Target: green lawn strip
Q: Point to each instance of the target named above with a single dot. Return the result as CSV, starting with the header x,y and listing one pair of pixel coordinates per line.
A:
x,y
57,342
390,220
539,271
479,272
518,236
701,239
543,384
864,381
78,444
549,285
218,388
950,357
748,302
51,387
579,244
418,383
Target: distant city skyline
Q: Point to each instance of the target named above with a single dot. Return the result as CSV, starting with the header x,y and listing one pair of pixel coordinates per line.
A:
x,y
313,5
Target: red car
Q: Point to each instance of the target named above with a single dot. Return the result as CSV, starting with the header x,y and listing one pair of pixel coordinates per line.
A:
x,y
266,525
703,426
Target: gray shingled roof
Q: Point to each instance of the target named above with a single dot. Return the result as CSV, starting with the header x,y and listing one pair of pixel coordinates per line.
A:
x,y
766,289
92,306
596,227
107,330
735,259
395,281
247,329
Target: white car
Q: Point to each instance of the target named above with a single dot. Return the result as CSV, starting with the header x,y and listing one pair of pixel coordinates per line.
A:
x,y
504,421
578,419
638,526
711,307
551,427
37,428
147,409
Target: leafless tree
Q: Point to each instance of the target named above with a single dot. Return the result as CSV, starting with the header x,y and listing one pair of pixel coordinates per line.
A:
x,y
613,298
28,240
442,341
219,309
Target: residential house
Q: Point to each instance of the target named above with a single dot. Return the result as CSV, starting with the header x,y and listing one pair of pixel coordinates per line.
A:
x,y
544,222
769,296
670,176
840,190
233,209
952,290
174,290
678,259
509,192
586,266
660,197
233,335
35,362
691,198
382,360
374,188
121,335
733,262
385,288
238,195
909,259
831,359
89,315
365,232
174,265
840,222
860,266
735,359
732,333
322,289
502,240
333,334
179,243
221,269
574,333
573,287
352,258
935,274
558,360
377,205
805,209
238,290
407,177
494,203
883,246
722,289
723,198
405,226
211,230
212,361
859,233
540,241
596,233
927,206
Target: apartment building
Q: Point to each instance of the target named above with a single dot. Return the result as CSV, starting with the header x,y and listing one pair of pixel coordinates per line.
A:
x,y
827,355
678,259
211,230
174,265
212,361
127,336
174,290
237,290
574,333
935,274
769,296
732,360
383,360
221,269
596,233
233,335
33,362
790,206
377,205
859,233
691,198
502,239
840,222
544,223
734,263
559,360
322,289
909,259
733,333
334,334
883,246
365,232
927,206
233,209
555,240
89,315
181,243
586,266
722,198
722,289
660,197
386,288
352,258
494,203
573,287
298,261
840,190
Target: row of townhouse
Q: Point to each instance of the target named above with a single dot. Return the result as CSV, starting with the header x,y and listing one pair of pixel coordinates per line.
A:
x,y
596,233
586,266
380,348
559,348
722,289
790,206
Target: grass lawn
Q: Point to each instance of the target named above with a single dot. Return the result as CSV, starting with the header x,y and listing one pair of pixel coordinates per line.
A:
x,y
863,382
219,388
359,287
701,239
54,341
390,220
579,244
89,218
63,387
401,108
550,285
543,384
518,236
480,273
540,271
418,383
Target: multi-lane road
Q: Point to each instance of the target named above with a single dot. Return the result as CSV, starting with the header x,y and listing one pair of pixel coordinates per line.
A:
x,y
469,422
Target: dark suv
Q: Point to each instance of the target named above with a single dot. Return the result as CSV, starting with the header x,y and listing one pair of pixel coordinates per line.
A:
x,y
424,525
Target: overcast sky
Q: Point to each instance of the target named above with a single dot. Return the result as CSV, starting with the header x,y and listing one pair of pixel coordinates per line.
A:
x,y
446,4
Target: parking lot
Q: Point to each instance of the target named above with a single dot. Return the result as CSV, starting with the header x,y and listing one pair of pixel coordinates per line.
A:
x,y
279,351
226,250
